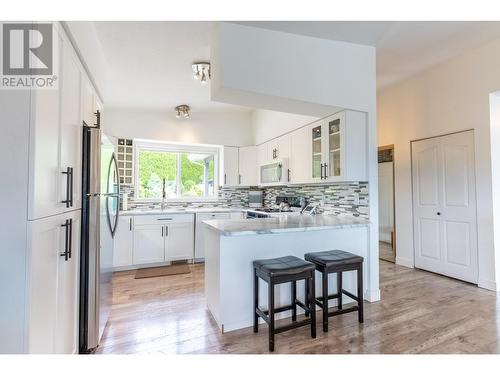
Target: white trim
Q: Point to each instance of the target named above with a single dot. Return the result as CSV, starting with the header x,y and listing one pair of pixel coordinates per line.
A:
x,y
488,284
372,295
405,262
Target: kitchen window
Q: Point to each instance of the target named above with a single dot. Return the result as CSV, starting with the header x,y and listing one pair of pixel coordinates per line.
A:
x,y
185,172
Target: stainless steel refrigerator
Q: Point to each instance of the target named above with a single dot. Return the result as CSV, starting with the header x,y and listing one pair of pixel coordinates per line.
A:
x,y
101,198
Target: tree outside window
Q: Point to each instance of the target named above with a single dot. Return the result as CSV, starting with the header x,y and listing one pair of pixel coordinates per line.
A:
x,y
185,174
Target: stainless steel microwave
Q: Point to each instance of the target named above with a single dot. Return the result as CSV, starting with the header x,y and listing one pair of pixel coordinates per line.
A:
x,y
275,173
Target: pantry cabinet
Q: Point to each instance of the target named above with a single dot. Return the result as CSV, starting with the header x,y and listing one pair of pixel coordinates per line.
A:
x,y
55,157
53,284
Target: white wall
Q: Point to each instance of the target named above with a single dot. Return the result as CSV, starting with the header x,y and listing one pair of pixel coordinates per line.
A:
x,y
271,124
220,128
450,97
304,75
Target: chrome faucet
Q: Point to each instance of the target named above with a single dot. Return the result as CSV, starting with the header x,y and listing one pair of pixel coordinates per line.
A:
x,y
163,195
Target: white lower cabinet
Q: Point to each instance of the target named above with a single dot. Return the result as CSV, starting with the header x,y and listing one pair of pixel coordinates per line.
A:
x,y
149,244
179,241
53,284
150,239
123,244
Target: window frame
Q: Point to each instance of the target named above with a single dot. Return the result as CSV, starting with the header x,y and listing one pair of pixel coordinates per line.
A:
x,y
174,147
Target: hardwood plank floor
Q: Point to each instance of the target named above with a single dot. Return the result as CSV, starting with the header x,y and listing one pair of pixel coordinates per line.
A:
x,y
420,312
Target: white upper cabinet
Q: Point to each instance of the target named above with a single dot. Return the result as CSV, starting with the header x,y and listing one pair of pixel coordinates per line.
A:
x,y
337,148
299,166
248,169
230,175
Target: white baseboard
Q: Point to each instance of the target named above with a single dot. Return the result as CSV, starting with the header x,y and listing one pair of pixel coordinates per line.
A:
x,y
487,284
372,295
405,262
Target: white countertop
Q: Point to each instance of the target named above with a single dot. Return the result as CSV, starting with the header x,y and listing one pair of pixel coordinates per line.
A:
x,y
188,210
284,223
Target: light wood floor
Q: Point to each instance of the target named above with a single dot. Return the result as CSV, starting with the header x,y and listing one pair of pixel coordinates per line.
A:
x,y
420,312
385,251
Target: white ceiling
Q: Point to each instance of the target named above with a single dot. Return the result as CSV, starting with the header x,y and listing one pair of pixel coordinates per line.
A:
x,y
403,48
149,63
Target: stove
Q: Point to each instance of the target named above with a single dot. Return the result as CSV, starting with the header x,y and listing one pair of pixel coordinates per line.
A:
x,y
272,210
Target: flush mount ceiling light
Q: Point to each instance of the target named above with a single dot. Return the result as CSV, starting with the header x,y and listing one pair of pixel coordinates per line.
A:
x,y
202,71
182,111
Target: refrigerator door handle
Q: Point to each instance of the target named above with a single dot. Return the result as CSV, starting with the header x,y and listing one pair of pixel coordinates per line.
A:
x,y
112,226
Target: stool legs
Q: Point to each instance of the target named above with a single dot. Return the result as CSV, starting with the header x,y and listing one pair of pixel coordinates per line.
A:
x,y
312,305
294,299
271,316
339,290
360,293
255,302
325,301
306,296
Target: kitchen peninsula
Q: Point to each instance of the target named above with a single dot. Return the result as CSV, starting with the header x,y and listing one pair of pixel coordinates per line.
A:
x,y
232,245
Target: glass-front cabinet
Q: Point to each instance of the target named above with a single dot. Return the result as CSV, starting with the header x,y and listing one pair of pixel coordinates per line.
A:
x,y
317,155
326,149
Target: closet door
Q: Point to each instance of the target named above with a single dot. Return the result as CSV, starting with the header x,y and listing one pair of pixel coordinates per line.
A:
x,y
444,205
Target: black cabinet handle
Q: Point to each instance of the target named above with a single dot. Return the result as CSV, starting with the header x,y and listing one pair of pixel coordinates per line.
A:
x,y
67,238
239,177
162,231
326,174
164,218
439,213
70,237
69,187
166,231
130,224
225,179
289,175
321,171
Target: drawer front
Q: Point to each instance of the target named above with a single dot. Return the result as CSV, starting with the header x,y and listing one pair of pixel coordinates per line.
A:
x,y
163,219
213,216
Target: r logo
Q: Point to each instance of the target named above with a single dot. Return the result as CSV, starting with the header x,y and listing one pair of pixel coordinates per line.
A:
x,y
27,49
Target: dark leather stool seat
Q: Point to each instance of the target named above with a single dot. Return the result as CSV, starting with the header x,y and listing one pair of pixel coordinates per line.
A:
x,y
337,257
282,266
283,270
338,261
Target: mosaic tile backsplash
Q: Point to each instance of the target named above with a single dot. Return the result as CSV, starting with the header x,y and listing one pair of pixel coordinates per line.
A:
x,y
350,198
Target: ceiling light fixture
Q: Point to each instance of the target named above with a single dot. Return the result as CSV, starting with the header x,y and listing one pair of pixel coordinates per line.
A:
x,y
182,111
202,71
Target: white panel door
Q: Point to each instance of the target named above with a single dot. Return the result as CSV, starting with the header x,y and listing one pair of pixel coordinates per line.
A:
x,y
444,205
149,244
179,241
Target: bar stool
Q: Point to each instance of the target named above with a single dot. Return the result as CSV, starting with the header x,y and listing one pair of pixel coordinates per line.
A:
x,y
337,261
277,271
